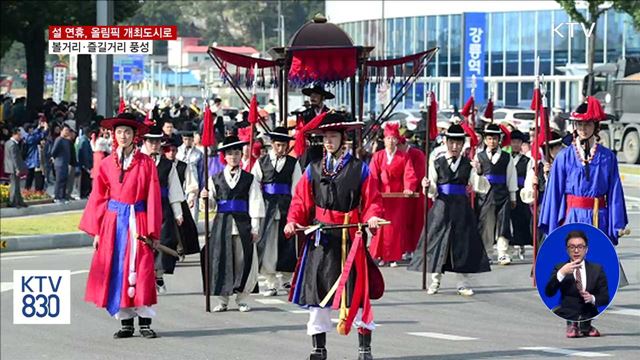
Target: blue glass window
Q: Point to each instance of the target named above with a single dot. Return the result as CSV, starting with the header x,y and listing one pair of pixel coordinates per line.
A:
x,y
454,97
561,44
419,92
409,36
578,43
408,98
397,36
632,37
388,52
511,98
432,42
497,44
456,44
443,42
544,41
419,34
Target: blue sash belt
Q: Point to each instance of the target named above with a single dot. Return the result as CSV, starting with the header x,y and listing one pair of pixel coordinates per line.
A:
x,y
496,179
452,189
228,206
119,249
277,189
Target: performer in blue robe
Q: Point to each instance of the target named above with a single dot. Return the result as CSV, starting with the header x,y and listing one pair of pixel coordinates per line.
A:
x,y
581,175
584,181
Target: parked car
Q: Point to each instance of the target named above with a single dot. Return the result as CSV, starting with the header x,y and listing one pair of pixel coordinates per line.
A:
x,y
522,119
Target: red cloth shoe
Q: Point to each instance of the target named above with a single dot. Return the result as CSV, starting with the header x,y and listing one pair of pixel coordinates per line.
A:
x,y
572,331
593,332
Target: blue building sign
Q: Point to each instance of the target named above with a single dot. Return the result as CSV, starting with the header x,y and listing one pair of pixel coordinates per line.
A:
x,y
132,68
475,34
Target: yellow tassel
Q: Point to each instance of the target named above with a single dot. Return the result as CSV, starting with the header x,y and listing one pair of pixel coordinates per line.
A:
x,y
344,312
596,210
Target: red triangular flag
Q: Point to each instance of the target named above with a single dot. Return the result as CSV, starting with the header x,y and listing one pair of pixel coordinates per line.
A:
x,y
542,134
506,139
488,112
537,99
208,134
147,119
122,106
473,137
468,107
301,143
433,117
253,110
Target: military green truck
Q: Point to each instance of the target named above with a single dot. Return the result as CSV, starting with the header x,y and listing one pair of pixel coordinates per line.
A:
x,y
617,86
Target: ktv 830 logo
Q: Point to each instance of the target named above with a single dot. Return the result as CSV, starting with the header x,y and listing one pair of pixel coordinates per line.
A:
x,y
41,297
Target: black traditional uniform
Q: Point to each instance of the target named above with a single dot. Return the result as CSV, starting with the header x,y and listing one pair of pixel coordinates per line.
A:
x,y
494,208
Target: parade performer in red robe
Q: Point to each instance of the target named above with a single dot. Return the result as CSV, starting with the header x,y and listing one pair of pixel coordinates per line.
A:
x,y
394,174
336,189
124,208
418,161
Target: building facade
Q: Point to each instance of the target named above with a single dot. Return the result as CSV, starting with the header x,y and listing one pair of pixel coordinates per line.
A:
x,y
498,41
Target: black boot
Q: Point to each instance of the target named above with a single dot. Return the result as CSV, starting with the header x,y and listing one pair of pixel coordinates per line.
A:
x,y
364,345
145,328
126,331
319,351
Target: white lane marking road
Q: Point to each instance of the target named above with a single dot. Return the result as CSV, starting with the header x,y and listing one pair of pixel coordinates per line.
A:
x,y
440,336
69,251
622,311
7,258
270,301
567,352
299,311
8,285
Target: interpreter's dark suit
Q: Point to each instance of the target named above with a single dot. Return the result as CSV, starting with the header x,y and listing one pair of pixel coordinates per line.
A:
x,y
572,305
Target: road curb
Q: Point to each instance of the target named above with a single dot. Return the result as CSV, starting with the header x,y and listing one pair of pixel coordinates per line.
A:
x,y
45,242
54,241
43,209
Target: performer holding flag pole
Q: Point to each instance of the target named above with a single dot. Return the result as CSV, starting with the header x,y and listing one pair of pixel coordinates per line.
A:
x,y
468,111
535,153
208,139
430,133
253,114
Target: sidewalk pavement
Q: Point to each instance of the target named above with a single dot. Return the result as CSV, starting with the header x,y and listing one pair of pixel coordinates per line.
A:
x,y
43,209
54,241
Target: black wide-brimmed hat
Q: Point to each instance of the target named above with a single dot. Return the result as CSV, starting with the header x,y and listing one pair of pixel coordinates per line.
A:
x,y
187,133
168,141
317,89
492,129
232,143
518,135
556,139
125,119
455,131
336,121
281,134
155,132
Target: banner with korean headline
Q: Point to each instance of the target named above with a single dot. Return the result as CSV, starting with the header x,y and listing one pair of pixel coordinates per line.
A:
x,y
475,34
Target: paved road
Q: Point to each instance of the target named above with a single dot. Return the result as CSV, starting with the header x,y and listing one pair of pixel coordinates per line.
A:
x,y
505,319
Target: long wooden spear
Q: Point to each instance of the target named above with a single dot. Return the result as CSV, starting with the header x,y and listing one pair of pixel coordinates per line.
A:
x,y
536,156
426,197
